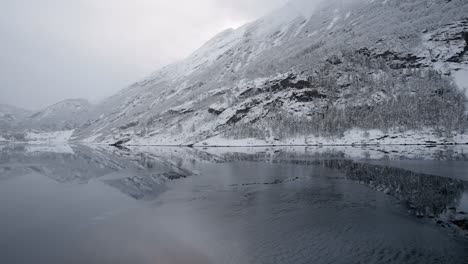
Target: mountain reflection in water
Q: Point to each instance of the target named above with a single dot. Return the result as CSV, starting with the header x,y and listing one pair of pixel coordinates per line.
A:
x,y
242,189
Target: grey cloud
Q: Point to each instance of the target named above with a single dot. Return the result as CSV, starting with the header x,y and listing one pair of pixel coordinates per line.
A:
x,y
57,49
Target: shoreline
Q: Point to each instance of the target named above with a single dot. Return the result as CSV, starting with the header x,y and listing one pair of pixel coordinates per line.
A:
x,y
196,146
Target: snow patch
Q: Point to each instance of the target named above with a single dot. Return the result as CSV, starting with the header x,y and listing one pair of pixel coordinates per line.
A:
x,y
332,24
55,148
348,15
50,137
353,137
461,79
91,139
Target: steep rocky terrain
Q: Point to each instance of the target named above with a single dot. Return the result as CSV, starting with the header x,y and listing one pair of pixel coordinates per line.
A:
x,y
304,70
22,125
64,115
380,64
10,116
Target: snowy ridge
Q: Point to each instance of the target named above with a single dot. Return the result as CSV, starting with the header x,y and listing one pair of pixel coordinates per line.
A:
x,y
11,116
304,74
64,115
355,137
48,137
241,76
13,111
72,105
16,123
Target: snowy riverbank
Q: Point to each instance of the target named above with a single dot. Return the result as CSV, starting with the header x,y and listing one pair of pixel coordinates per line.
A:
x,y
353,137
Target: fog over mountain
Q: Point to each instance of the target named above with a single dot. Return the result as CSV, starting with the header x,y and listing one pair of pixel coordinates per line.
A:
x,y
329,72
234,131
54,50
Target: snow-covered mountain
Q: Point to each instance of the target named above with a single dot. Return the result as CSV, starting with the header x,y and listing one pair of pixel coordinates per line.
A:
x,y
10,116
304,72
64,115
52,124
304,69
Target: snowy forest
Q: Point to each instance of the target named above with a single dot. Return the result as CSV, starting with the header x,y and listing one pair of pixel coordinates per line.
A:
x,y
368,93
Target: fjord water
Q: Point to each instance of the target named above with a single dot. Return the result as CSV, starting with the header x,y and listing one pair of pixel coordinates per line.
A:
x,y
79,204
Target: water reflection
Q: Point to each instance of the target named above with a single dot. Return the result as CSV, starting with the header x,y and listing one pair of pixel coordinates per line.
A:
x,y
246,205
140,175
424,195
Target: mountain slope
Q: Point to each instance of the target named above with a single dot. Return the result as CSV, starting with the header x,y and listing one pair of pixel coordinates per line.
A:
x,y
10,116
304,70
64,115
52,124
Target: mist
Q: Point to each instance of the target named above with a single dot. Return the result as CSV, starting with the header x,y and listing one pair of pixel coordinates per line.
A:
x,y
54,50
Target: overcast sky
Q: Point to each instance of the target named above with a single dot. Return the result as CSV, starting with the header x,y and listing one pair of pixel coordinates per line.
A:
x,y
56,49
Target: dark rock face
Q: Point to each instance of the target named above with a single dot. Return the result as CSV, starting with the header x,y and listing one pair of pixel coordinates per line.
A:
x,y
400,61
127,126
335,60
307,96
451,41
215,111
179,111
290,82
395,60
119,143
242,112
172,175
249,92
463,36
463,224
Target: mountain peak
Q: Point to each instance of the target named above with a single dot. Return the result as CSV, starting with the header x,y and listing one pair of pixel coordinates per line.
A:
x,y
294,73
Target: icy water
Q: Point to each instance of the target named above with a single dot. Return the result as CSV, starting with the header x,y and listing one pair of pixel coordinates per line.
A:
x,y
79,204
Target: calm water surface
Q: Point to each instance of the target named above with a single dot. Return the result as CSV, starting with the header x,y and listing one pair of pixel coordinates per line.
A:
x,y
80,204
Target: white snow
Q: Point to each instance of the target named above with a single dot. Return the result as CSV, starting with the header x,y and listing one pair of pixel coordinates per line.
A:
x,y
50,148
315,32
91,139
357,137
461,79
50,137
348,15
332,24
